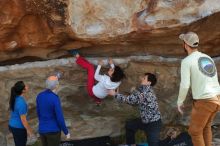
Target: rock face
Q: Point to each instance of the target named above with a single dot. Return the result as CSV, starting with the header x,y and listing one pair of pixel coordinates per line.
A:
x,y
141,36
83,117
44,29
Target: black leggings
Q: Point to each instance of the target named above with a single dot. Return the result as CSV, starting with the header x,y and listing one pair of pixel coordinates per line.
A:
x,y
19,135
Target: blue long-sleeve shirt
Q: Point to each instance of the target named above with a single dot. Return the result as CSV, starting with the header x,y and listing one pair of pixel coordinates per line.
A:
x,y
50,113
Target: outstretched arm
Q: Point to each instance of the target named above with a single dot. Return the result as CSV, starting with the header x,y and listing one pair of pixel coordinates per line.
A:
x,y
111,63
97,76
133,98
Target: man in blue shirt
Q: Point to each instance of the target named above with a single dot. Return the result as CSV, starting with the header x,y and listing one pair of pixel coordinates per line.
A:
x,y
50,115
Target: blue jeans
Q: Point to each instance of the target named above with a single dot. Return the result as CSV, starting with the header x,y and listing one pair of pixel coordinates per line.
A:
x,y
19,135
151,129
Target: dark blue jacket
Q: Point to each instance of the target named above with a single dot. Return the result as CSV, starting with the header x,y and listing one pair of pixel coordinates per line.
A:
x,y
50,113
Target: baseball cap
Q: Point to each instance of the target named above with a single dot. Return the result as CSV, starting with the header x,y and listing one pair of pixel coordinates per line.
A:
x,y
190,38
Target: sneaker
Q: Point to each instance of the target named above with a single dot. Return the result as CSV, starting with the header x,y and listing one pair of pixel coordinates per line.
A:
x,y
73,52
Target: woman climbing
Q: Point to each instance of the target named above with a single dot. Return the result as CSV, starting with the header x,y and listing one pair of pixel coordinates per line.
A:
x,y
105,82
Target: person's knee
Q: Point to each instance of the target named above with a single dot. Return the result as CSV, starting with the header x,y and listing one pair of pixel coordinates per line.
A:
x,y
194,130
91,67
153,137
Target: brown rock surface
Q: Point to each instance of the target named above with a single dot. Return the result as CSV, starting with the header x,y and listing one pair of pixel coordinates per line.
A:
x,y
44,29
141,34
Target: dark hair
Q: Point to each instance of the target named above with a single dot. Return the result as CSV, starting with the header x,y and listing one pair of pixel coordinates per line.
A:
x,y
195,47
152,78
118,74
16,90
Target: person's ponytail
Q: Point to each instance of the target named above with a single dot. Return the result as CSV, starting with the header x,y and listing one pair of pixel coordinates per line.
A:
x,y
16,90
12,99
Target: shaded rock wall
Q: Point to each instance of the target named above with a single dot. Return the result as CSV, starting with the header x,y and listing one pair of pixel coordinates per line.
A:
x,y
83,117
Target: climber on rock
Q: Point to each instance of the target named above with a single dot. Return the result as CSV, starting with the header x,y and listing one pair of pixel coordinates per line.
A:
x,y
105,82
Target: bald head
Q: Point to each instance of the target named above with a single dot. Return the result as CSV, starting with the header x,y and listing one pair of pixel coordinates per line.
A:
x,y
52,82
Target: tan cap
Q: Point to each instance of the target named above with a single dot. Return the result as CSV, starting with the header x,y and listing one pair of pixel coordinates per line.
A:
x,y
190,38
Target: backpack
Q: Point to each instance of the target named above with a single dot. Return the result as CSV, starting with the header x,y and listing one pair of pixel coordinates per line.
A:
x,y
183,139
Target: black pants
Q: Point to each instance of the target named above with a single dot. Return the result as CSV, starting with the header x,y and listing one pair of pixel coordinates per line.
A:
x,y
151,129
50,139
19,135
